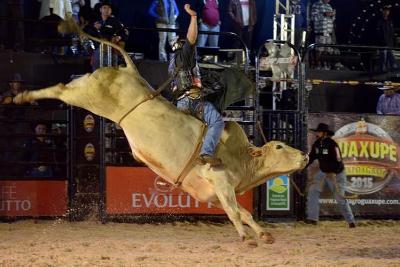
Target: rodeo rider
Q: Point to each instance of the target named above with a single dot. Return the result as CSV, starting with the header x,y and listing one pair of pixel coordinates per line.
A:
x,y
188,90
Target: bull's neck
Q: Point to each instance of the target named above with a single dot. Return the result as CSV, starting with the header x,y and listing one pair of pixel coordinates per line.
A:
x,y
254,168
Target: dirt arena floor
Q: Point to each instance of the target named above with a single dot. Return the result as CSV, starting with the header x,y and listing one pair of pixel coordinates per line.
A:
x,y
62,243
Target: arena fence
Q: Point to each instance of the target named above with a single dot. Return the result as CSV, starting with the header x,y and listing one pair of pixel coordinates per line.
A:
x,y
35,166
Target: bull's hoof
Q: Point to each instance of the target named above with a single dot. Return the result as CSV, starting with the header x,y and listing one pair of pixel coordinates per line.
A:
x,y
252,243
267,238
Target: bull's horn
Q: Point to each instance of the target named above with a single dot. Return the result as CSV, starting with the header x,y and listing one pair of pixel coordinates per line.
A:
x,y
255,151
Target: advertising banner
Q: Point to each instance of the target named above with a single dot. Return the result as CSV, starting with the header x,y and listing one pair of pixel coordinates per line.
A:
x,y
278,193
370,151
33,198
138,190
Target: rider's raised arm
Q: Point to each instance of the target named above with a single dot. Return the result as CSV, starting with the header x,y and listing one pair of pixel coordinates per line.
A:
x,y
192,30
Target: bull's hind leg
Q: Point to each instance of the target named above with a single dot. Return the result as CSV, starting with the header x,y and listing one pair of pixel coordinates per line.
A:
x,y
52,92
227,199
247,218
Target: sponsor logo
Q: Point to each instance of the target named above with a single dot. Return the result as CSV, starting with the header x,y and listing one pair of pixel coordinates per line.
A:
x,y
89,123
89,152
370,156
164,195
9,199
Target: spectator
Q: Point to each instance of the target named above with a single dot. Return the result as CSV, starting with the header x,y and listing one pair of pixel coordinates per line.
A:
x,y
165,12
60,8
76,8
50,39
298,8
6,98
331,172
110,28
86,13
39,150
385,34
9,144
389,101
210,21
86,17
16,87
323,17
244,16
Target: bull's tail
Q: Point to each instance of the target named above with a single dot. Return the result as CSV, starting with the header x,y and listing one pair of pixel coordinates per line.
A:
x,y
70,26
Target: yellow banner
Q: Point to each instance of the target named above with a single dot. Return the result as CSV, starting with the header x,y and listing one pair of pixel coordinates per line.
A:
x,y
364,170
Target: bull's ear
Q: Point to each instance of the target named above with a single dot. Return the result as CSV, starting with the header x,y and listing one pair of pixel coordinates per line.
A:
x,y
255,151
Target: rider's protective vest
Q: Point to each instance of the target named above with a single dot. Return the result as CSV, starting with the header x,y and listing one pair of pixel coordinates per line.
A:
x,y
185,80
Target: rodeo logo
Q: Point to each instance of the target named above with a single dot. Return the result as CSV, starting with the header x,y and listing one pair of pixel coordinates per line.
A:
x,y
89,123
89,152
370,156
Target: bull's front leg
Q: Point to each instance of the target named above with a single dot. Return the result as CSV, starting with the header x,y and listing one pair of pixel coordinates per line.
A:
x,y
247,218
53,92
227,200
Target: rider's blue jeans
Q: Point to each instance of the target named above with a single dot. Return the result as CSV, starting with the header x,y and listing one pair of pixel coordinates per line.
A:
x,y
213,119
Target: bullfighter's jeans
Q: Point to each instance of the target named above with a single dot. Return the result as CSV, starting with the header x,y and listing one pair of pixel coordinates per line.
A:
x,y
213,119
338,189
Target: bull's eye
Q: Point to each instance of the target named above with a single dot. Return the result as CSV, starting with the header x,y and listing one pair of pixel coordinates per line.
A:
x,y
279,146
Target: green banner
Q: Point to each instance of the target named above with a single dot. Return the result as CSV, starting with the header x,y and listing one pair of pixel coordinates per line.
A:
x,y
278,193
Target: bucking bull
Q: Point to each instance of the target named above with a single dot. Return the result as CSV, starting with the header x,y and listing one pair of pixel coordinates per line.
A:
x,y
167,139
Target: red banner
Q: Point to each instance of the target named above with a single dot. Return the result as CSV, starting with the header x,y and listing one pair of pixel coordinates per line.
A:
x,y
33,198
133,190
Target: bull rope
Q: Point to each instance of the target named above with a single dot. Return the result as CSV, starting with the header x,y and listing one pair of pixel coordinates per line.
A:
x,y
149,97
189,163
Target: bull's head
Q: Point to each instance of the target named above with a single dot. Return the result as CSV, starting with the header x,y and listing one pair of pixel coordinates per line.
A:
x,y
276,158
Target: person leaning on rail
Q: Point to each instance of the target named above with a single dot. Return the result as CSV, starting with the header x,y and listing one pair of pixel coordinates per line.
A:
x,y
110,28
331,173
389,101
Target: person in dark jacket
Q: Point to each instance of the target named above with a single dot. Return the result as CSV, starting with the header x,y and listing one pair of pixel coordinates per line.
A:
x,y
110,28
39,149
385,33
331,173
244,16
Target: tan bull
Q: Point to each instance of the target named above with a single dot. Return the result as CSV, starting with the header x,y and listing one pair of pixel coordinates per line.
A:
x,y
166,139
